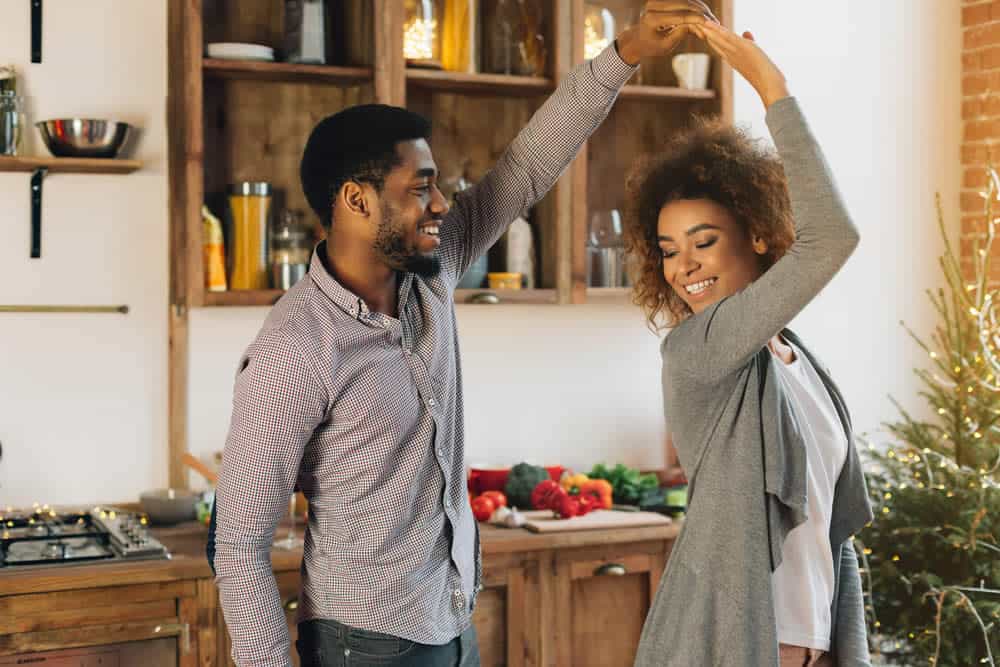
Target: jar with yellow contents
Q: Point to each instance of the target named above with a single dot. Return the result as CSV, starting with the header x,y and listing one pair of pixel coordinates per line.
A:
x,y
250,208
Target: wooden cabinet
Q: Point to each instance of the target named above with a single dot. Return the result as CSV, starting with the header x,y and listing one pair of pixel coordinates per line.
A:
x,y
604,595
157,621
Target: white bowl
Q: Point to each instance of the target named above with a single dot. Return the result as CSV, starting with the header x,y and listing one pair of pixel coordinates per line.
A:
x,y
239,51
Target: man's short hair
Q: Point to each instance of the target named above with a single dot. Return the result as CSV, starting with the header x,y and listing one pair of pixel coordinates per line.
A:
x,y
358,143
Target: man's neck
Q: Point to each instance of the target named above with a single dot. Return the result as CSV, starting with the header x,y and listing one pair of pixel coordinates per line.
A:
x,y
362,273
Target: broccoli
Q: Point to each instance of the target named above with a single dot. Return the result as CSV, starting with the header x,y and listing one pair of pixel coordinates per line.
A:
x,y
521,481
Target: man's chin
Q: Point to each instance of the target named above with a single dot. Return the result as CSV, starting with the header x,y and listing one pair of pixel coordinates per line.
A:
x,y
425,266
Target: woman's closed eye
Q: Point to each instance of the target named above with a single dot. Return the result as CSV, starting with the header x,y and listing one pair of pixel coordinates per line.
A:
x,y
707,243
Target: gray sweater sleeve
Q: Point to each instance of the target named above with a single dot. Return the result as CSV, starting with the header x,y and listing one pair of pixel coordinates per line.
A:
x,y
852,639
722,338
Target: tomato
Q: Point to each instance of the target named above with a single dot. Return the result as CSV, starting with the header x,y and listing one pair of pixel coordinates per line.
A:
x,y
498,498
483,508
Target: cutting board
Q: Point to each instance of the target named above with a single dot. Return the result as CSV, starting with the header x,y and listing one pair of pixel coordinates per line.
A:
x,y
543,521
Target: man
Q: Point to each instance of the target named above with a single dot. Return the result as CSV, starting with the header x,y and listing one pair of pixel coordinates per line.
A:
x,y
352,389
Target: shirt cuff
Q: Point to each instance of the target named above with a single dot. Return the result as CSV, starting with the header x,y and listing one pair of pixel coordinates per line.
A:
x,y
783,113
609,68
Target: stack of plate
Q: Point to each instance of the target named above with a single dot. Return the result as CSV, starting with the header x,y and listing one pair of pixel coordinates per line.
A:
x,y
240,51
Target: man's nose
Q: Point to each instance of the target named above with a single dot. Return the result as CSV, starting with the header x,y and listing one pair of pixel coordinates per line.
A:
x,y
439,204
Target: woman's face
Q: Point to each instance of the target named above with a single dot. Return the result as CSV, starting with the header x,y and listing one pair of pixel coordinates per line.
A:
x,y
707,255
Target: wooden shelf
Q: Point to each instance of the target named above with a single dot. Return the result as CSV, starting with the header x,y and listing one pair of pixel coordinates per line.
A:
x,y
263,297
286,72
634,92
609,295
484,84
69,165
546,296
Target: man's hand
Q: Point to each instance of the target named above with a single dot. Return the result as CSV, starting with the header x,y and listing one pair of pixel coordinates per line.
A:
x,y
663,25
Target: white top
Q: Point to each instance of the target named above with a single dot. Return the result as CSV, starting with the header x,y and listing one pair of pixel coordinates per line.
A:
x,y
803,584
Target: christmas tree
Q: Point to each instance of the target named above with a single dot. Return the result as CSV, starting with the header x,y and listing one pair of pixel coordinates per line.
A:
x,y
931,556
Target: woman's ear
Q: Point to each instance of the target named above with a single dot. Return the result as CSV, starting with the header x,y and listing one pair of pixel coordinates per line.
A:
x,y
355,198
759,245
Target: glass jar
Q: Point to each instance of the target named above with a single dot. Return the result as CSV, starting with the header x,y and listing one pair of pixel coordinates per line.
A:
x,y
422,33
11,123
291,250
513,38
250,207
460,36
598,29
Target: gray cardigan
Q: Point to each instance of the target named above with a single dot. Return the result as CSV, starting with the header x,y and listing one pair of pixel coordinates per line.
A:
x,y
737,439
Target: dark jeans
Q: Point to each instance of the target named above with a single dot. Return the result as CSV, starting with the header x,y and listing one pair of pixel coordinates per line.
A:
x,y
326,643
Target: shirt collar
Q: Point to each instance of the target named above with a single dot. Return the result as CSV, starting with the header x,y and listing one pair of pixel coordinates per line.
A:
x,y
344,298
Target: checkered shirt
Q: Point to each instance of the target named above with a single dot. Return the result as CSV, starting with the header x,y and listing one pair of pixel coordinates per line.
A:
x,y
364,411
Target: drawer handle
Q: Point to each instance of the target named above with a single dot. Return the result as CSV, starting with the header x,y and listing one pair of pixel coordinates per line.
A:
x,y
611,570
292,604
180,630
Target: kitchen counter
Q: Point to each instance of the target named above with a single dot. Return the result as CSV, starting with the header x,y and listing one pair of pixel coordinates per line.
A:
x,y
186,543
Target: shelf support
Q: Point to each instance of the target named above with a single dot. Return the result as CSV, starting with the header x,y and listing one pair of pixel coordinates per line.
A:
x,y
36,211
36,31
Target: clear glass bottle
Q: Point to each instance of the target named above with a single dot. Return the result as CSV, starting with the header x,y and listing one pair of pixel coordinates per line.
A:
x,y
12,123
513,38
250,207
422,33
291,250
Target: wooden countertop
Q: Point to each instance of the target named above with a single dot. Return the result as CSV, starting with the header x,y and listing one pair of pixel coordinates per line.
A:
x,y
187,545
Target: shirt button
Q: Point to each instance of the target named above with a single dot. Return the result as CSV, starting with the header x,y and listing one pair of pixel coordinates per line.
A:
x,y
447,502
347,652
440,452
407,351
432,402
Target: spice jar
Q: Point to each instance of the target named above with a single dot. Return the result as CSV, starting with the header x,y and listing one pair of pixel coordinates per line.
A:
x,y
291,250
250,206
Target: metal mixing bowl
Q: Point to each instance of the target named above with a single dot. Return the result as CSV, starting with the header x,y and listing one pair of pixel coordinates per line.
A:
x,y
84,137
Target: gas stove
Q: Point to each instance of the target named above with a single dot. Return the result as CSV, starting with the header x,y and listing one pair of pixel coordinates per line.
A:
x,y
47,536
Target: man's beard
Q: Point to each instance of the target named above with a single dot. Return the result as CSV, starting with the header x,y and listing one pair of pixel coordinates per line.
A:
x,y
390,242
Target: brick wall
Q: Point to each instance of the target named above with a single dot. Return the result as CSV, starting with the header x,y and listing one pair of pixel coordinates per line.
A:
x,y
980,115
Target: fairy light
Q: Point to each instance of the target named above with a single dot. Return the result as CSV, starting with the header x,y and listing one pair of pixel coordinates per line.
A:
x,y
418,39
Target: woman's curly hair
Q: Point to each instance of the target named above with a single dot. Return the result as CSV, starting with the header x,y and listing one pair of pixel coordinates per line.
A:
x,y
711,160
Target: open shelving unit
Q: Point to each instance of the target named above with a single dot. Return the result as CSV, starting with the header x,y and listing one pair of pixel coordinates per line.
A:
x,y
244,120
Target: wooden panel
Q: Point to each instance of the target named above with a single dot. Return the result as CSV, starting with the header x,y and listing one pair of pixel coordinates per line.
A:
x,y
664,92
69,165
73,616
89,635
240,21
390,66
490,619
490,84
13,607
632,564
607,616
243,297
286,72
255,131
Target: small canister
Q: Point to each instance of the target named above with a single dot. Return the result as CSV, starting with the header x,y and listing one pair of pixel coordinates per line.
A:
x,y
250,207
291,250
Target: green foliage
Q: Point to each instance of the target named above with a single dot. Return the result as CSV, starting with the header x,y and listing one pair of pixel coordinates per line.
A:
x,y
931,556
630,487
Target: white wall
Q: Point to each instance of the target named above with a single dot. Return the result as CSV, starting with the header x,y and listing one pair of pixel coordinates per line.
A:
x,y
83,398
87,395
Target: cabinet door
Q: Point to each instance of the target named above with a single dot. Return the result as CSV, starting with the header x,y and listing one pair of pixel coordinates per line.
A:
x,y
602,601
95,617
507,613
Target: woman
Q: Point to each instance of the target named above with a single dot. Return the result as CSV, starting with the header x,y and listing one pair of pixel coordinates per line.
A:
x,y
764,572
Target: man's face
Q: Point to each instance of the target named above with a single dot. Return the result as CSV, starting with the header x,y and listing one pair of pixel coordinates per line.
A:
x,y
411,210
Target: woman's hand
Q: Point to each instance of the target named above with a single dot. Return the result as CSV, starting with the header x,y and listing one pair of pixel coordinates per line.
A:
x,y
663,25
746,58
